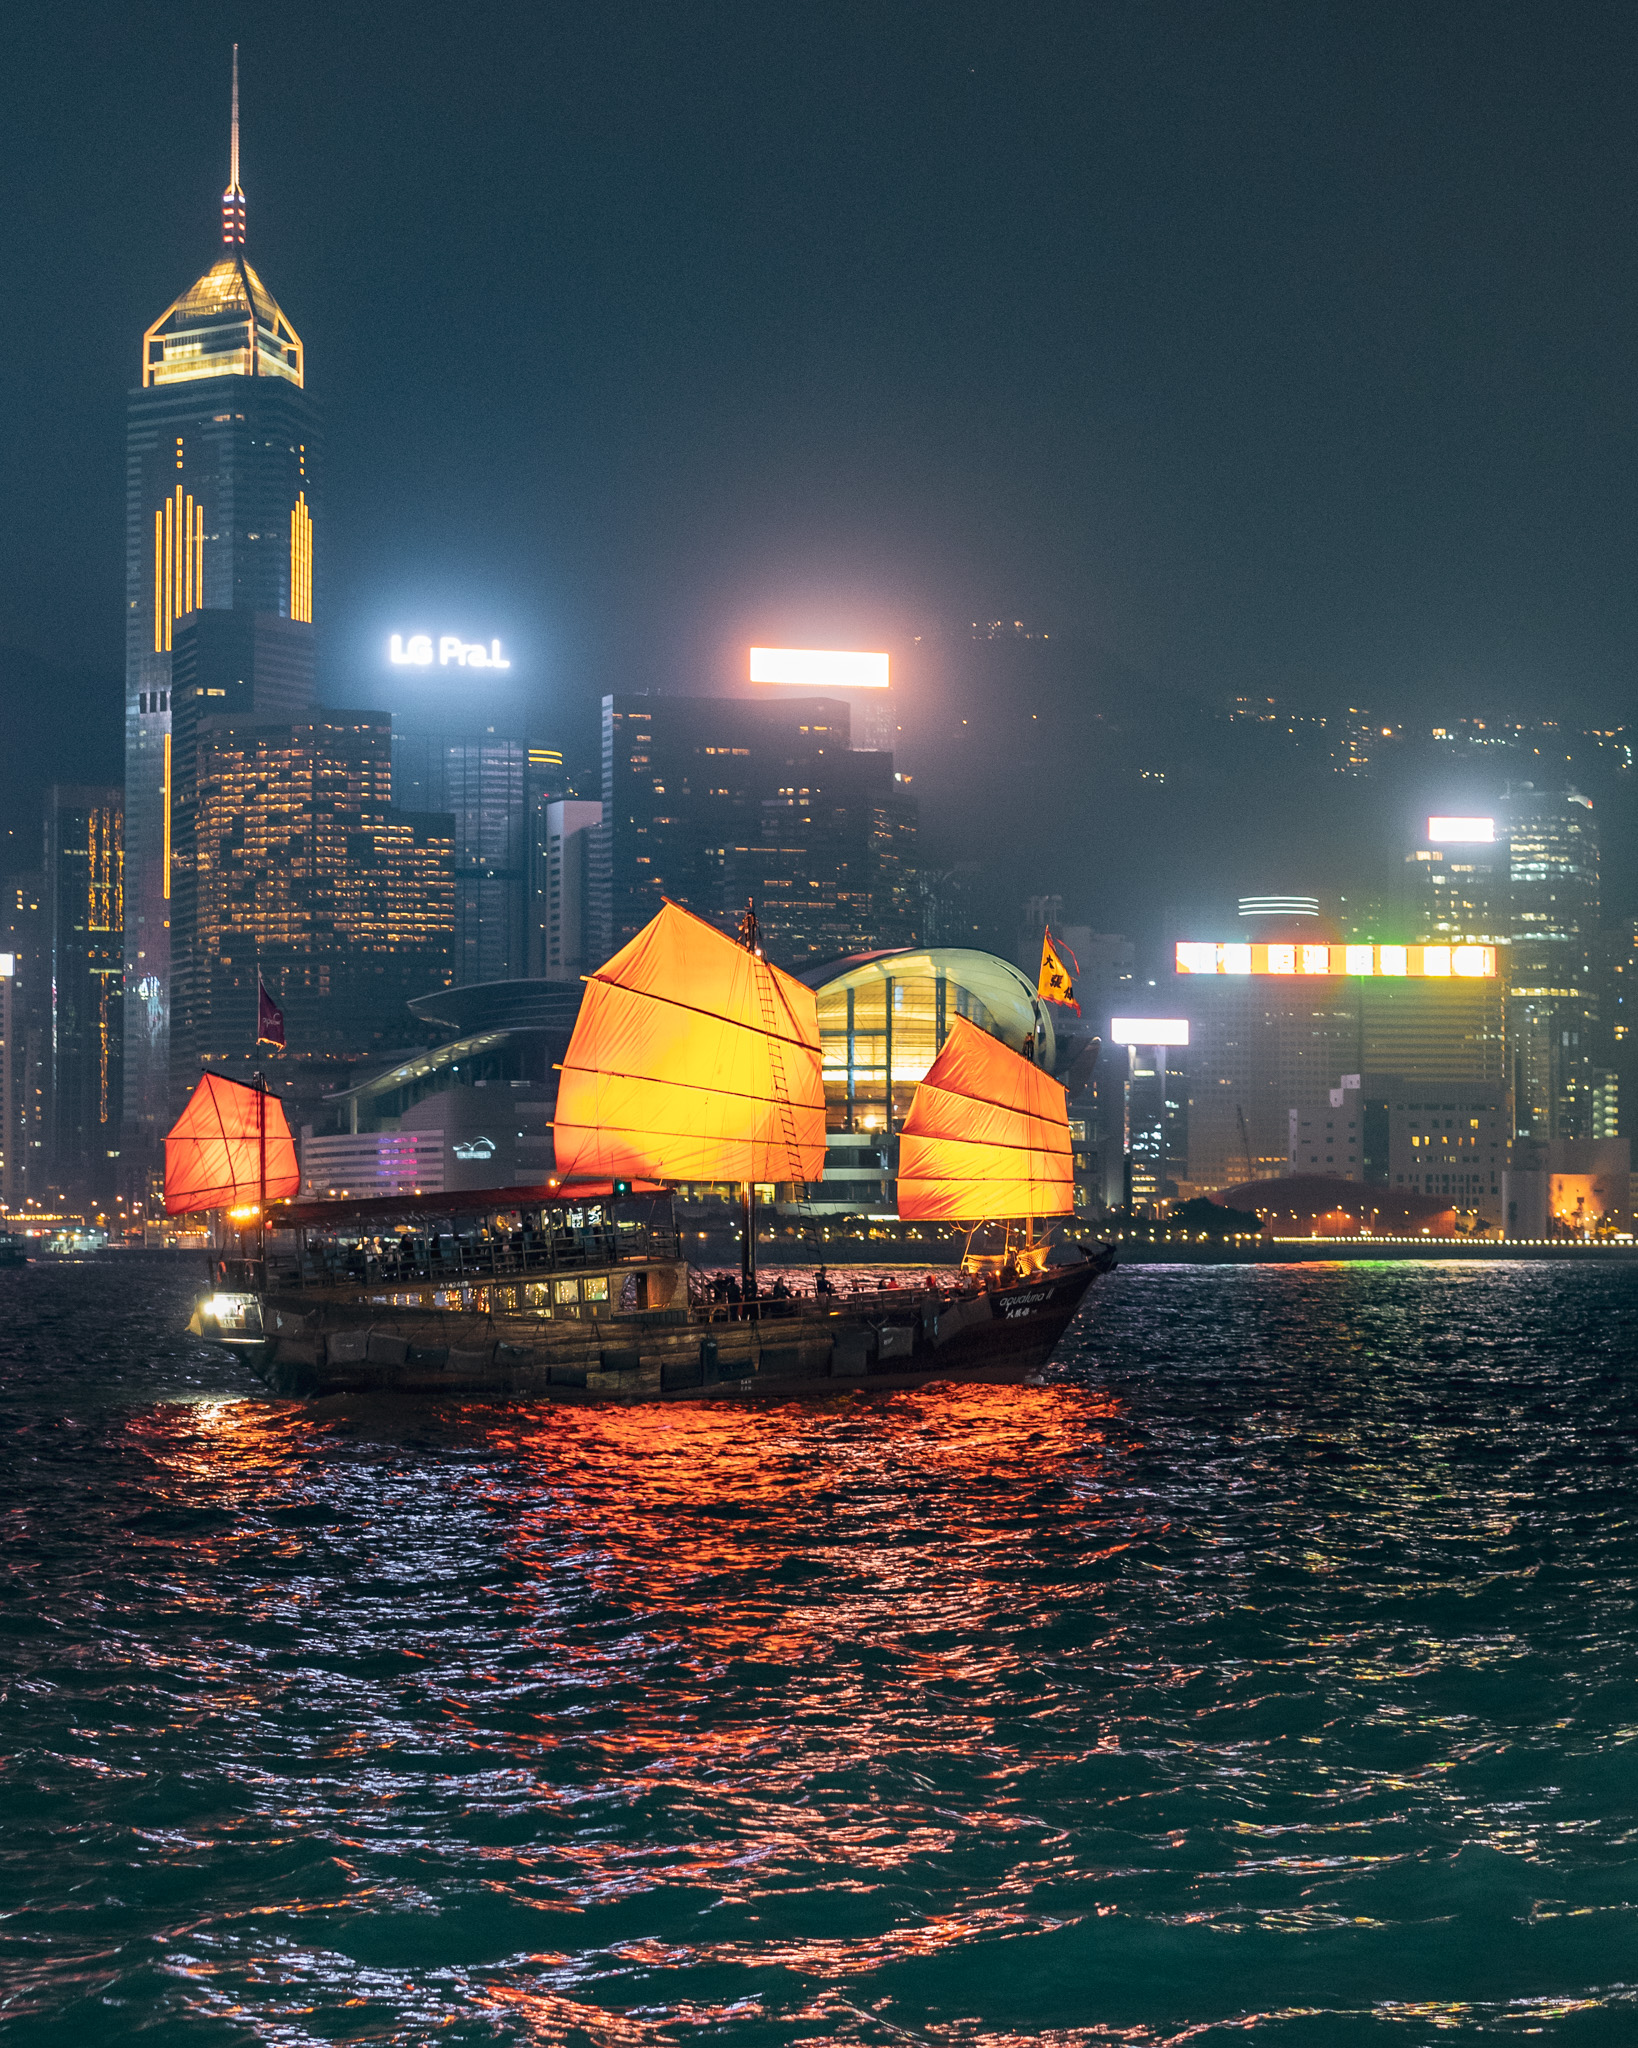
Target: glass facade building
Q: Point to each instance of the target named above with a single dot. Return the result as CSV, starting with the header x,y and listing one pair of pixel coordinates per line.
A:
x,y
84,909
221,505
484,786
1560,1090
711,801
883,1020
296,868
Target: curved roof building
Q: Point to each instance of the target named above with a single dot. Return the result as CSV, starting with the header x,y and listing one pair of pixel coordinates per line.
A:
x,y
884,1016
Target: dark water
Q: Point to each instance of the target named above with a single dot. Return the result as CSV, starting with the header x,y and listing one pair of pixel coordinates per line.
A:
x,y
1271,1677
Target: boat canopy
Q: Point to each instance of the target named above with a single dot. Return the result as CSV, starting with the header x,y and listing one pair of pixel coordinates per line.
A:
x,y
381,1211
692,1060
987,1137
215,1150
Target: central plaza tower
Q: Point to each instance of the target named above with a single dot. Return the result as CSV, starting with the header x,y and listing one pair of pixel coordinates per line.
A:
x,y
220,510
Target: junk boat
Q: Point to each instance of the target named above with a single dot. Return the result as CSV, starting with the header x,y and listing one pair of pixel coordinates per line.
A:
x,y
693,1059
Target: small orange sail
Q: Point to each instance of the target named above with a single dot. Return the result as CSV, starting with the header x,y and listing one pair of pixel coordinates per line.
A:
x,y
987,1136
692,1059
212,1153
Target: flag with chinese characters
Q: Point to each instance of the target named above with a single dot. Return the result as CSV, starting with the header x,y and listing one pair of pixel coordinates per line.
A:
x,y
269,1017
1056,984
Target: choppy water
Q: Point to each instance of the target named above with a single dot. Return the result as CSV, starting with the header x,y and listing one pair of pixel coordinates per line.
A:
x,y
1268,1677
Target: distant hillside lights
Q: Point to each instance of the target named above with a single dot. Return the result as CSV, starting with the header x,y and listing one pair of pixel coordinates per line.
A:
x,y
418,650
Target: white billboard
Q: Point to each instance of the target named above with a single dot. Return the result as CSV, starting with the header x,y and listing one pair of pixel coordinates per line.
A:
x,y
1149,1030
818,668
1461,831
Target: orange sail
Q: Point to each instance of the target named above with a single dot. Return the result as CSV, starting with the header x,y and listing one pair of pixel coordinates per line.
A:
x,y
213,1154
692,1059
987,1136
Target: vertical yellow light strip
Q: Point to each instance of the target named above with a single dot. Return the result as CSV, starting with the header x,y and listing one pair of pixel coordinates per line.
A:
x,y
170,567
187,554
180,587
167,863
199,558
159,581
301,560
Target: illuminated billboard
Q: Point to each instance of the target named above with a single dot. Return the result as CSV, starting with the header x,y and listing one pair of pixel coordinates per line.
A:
x,y
421,650
1149,1030
1210,956
1461,831
817,668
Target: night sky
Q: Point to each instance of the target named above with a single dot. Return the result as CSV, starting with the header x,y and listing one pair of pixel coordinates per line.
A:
x,y
1234,347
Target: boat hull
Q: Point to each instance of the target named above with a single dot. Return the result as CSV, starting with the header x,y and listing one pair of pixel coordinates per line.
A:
x,y
297,1345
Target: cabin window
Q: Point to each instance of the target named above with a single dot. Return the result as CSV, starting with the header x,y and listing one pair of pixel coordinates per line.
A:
x,y
566,1290
538,1293
595,1290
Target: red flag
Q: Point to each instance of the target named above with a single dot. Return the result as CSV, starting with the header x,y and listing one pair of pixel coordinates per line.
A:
x,y
269,1017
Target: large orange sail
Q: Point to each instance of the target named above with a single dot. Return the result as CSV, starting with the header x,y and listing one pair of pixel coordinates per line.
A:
x,y
692,1059
987,1136
212,1153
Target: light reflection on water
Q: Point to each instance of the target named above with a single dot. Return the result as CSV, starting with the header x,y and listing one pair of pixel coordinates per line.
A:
x,y
1268,1673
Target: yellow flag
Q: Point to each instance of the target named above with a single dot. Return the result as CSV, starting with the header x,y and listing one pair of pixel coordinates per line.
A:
x,y
1055,985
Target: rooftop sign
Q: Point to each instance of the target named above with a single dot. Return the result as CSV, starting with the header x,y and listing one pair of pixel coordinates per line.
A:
x,y
1461,831
1390,962
419,650
1279,906
816,668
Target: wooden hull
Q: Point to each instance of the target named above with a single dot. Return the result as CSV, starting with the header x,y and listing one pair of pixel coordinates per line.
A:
x,y
312,1343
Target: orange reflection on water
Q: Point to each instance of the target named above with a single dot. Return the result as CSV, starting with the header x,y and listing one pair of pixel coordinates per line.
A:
x,y
751,1599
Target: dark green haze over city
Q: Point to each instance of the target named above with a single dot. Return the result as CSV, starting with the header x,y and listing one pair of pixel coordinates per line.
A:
x,y
1278,350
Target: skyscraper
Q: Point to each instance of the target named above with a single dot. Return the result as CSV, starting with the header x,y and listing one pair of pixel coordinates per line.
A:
x,y
711,800
25,997
1459,893
84,913
1559,1090
483,784
562,927
295,868
220,511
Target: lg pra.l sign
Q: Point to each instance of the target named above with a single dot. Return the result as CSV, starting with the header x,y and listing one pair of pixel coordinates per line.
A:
x,y
449,650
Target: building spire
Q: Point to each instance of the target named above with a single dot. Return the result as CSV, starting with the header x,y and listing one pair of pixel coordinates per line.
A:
x,y
233,200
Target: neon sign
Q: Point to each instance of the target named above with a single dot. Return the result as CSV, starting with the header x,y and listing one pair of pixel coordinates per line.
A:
x,y
418,650
1210,957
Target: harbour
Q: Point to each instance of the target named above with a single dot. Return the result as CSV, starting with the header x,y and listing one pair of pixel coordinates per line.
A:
x,y
1264,1674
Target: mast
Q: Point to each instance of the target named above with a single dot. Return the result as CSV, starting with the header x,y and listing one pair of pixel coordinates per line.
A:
x,y
233,200
749,938
261,1174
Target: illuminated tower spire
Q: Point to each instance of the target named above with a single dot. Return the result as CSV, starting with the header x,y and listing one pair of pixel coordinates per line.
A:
x,y
233,200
